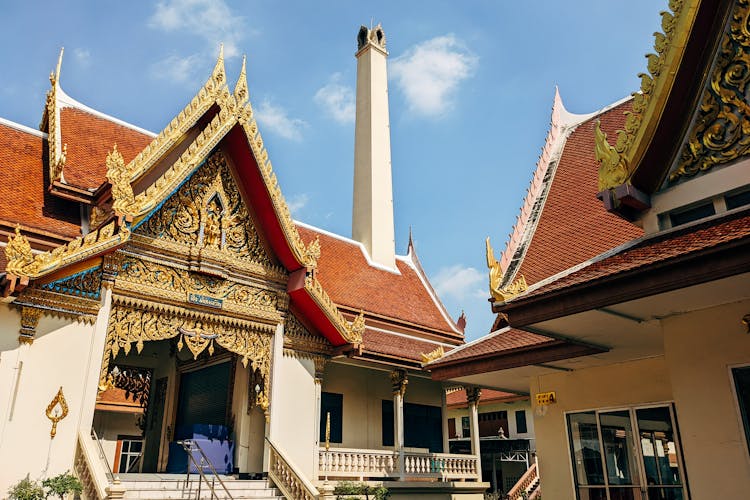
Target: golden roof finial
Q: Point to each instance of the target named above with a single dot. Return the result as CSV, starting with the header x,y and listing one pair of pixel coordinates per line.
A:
x,y
218,75
240,90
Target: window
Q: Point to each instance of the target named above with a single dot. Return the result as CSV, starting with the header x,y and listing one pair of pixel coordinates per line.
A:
x,y
490,423
742,386
465,427
521,422
452,428
684,216
128,453
619,453
736,200
334,404
423,426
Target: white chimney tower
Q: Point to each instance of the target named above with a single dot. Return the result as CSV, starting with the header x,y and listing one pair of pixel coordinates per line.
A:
x,y
372,213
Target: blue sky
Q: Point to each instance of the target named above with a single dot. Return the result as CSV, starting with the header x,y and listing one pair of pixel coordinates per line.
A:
x,y
471,88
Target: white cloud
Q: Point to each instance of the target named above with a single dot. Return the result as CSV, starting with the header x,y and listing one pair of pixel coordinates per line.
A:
x,y
459,282
211,20
297,203
176,68
82,56
275,119
430,72
337,100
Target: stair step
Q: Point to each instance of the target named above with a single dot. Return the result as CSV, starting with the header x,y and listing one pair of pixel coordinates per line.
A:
x,y
173,488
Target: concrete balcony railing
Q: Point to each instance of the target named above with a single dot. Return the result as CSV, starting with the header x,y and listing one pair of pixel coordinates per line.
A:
x,y
364,464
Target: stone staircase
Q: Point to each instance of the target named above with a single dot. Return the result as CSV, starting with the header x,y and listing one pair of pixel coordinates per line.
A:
x,y
162,486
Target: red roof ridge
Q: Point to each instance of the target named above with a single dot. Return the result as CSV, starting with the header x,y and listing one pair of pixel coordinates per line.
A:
x,y
562,124
22,128
408,336
65,101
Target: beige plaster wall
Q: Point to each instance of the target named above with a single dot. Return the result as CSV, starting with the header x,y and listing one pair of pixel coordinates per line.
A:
x,y
65,354
622,384
363,391
700,349
292,409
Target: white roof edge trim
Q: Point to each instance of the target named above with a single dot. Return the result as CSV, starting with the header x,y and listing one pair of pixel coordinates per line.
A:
x,y
22,128
406,335
63,98
362,248
473,342
409,260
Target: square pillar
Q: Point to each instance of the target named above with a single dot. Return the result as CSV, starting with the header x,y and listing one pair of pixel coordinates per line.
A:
x,y
320,364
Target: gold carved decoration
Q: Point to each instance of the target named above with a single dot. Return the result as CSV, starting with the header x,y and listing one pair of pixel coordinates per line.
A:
x,y
130,325
29,320
312,252
351,332
105,238
617,162
399,381
473,394
497,290
18,253
433,355
117,175
61,305
84,284
98,216
721,131
56,411
746,322
57,153
298,338
208,211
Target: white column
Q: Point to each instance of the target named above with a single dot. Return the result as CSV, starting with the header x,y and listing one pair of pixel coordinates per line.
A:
x,y
444,404
319,369
472,397
399,381
276,356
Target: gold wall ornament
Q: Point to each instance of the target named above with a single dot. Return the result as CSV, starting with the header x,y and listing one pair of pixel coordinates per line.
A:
x,y
130,325
433,355
497,290
399,381
67,306
117,175
613,170
98,216
650,100
720,133
208,211
18,253
29,320
56,411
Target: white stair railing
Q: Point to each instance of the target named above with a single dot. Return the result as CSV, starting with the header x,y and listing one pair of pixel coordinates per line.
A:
x,y
92,470
283,473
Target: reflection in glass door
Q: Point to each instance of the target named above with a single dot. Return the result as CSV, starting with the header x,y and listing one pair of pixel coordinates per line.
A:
x,y
626,454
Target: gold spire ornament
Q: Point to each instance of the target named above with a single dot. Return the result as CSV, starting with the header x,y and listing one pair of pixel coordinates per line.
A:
x,y
497,291
56,411
119,177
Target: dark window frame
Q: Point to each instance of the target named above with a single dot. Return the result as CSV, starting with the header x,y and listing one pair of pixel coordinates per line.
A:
x,y
333,402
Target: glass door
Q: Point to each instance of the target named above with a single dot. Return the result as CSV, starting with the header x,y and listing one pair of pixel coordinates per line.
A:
x,y
625,454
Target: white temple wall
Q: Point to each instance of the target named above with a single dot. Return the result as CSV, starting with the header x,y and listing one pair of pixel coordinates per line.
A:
x,y
292,424
66,354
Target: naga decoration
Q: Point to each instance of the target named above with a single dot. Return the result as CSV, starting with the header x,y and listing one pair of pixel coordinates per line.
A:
x,y
18,253
721,133
497,291
617,162
399,381
117,175
433,355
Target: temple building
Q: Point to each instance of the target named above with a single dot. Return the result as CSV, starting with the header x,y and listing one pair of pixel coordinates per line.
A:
x,y
162,312
623,295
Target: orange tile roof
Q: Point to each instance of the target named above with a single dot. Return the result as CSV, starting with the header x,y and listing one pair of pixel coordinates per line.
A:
x,y
398,346
352,282
495,343
655,249
574,225
457,399
89,139
24,198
